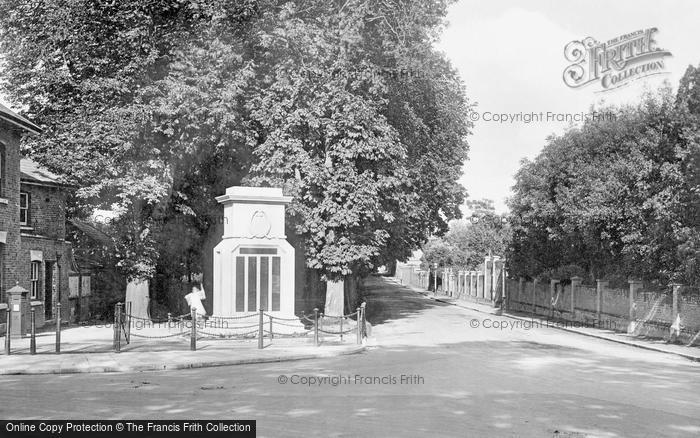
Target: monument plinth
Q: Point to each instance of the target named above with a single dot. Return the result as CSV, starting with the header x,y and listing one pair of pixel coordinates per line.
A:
x,y
253,263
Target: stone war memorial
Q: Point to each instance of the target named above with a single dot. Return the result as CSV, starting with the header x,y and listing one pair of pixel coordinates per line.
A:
x,y
254,262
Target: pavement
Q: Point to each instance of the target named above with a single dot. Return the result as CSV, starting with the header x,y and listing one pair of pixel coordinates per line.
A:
x,y
429,371
659,345
88,349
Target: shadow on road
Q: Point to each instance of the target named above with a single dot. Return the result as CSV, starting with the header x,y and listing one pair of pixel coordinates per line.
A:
x,y
388,301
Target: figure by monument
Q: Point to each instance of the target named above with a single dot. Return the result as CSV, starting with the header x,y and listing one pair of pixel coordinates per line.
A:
x,y
194,299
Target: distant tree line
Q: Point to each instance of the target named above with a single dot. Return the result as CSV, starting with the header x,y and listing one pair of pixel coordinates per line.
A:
x,y
617,197
470,240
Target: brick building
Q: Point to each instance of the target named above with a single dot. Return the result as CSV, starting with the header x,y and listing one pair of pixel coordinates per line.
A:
x,y
33,249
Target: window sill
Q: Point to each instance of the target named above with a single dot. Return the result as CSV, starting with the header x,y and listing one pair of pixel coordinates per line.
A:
x,y
4,201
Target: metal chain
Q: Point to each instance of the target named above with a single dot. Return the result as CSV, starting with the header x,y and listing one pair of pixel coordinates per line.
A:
x,y
237,328
285,324
288,335
281,319
336,333
216,336
158,337
235,317
152,321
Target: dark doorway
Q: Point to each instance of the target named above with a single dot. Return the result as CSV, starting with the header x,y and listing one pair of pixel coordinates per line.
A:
x,y
48,290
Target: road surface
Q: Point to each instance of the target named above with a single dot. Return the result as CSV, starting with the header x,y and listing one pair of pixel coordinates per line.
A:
x,y
430,374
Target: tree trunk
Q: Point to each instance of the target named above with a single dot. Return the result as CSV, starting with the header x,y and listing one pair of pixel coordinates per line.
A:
x,y
335,298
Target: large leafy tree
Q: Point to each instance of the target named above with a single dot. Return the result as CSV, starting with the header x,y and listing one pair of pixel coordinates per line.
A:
x,y
327,142
616,197
140,104
154,107
343,133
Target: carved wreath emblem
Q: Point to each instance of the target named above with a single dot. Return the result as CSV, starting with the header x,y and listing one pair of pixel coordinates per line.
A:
x,y
259,224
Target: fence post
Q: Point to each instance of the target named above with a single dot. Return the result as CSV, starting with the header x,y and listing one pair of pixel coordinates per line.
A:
x,y
8,329
320,324
359,325
446,281
534,293
114,328
260,329
32,324
341,327
634,285
271,335
521,292
675,332
464,283
488,280
364,320
434,281
118,327
552,286
58,328
575,283
316,326
127,321
600,285
676,290
193,331
505,296
451,283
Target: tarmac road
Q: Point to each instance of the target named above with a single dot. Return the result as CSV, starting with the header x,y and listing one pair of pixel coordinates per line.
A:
x,y
433,372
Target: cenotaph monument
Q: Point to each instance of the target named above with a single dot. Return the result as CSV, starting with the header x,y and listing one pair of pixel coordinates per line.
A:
x,y
254,263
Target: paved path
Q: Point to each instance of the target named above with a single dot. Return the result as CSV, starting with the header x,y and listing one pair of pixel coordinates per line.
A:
x,y
458,381
89,349
660,345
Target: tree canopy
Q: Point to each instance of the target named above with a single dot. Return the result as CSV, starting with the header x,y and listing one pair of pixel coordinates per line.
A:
x,y
617,197
153,107
469,241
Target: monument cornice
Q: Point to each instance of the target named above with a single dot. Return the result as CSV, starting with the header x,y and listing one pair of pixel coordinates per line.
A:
x,y
254,199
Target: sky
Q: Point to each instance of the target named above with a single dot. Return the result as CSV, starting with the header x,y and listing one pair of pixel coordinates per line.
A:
x,y
510,55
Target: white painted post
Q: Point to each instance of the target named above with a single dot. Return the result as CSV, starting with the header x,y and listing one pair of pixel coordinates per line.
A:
x,y
575,283
676,312
634,286
505,296
478,293
487,288
552,286
494,279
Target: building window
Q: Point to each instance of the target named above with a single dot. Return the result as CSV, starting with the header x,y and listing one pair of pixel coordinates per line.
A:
x,y
24,209
36,267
